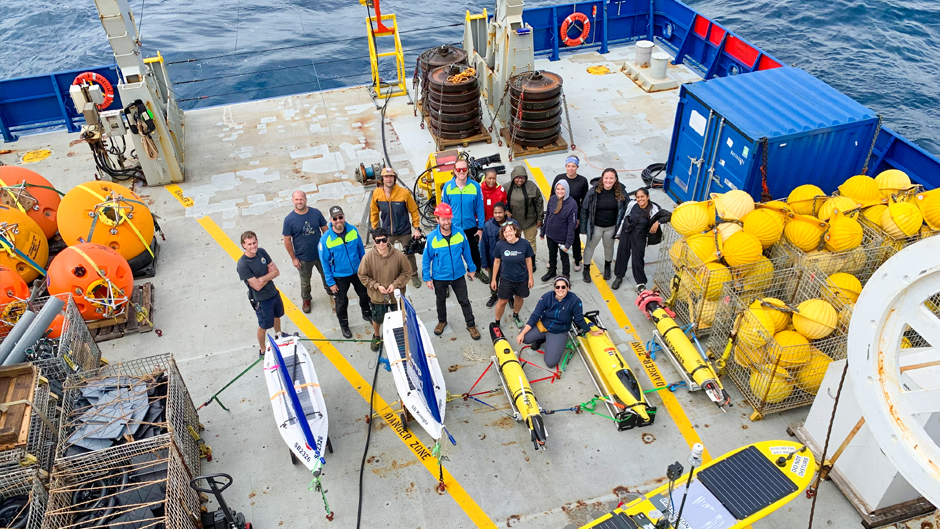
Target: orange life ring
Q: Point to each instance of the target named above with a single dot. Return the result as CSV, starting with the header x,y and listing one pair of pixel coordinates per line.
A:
x,y
106,87
580,17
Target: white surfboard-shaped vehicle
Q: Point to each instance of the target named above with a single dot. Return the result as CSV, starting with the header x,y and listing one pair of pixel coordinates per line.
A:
x,y
293,385
415,368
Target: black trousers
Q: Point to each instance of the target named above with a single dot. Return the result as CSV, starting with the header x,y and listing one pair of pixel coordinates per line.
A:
x,y
471,235
460,290
553,250
342,297
632,247
577,246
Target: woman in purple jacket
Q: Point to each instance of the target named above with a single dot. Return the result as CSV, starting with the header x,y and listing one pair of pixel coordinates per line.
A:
x,y
561,218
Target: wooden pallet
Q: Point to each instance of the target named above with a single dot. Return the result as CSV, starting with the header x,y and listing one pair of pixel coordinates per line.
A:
x,y
442,143
127,323
518,151
17,390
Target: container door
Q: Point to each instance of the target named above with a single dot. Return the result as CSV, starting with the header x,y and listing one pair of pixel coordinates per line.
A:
x,y
690,148
730,160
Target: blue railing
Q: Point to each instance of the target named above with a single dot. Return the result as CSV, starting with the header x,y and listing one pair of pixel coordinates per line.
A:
x,y
43,101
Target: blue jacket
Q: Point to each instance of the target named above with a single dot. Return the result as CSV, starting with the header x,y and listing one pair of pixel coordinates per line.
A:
x,y
444,261
556,315
340,255
467,204
489,239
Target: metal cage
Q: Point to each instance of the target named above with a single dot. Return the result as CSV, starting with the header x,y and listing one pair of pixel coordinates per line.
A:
x,y
37,453
147,373
146,483
894,245
25,485
777,372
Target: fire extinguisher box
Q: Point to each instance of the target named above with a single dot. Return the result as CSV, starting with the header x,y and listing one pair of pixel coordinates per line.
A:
x,y
800,129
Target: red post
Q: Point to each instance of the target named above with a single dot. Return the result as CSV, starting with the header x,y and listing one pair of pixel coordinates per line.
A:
x,y
380,27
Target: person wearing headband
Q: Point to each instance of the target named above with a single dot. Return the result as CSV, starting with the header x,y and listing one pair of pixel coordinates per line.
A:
x,y
551,320
579,187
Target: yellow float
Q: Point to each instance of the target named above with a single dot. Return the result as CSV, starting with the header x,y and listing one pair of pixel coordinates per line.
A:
x,y
838,205
780,318
804,231
32,194
742,248
704,247
809,377
23,246
901,219
845,233
757,277
712,278
98,277
756,328
727,229
827,262
109,214
844,287
770,385
929,205
788,349
815,319
805,199
862,189
693,217
733,205
892,181
766,224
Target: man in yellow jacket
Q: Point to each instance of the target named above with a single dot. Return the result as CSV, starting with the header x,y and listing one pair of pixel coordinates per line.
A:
x,y
382,270
394,209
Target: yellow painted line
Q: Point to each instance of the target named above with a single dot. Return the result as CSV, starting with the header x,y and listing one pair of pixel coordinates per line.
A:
x,y
669,400
423,453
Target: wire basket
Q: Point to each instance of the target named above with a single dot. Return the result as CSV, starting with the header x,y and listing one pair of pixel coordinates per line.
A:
x,y
37,453
776,368
135,485
894,245
700,287
22,495
138,398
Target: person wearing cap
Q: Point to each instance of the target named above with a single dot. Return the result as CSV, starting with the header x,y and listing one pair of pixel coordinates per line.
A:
x,y
447,264
341,252
302,230
493,193
488,245
258,271
551,320
394,209
525,203
561,217
465,199
382,270
579,187
601,213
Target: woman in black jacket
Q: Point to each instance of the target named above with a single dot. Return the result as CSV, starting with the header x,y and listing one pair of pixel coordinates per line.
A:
x,y
601,214
640,226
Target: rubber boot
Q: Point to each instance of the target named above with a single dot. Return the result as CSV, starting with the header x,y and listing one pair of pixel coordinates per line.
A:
x,y
606,270
587,273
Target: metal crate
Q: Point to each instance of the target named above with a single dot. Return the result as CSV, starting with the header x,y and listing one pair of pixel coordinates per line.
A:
x,y
699,287
135,475
180,413
893,245
753,363
37,454
27,485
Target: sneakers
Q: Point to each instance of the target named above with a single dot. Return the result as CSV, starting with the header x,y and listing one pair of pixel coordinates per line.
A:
x,y
517,320
607,271
587,273
577,266
474,333
492,301
640,288
261,352
549,275
416,282
617,283
306,307
439,328
376,343
344,328
481,275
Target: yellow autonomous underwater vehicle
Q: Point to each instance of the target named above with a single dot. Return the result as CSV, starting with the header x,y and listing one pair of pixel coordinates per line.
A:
x,y
613,377
516,386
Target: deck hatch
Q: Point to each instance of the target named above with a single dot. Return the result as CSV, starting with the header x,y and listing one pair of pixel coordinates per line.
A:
x,y
746,482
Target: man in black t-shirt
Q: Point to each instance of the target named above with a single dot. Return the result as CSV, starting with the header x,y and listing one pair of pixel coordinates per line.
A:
x,y
257,270
579,187
302,230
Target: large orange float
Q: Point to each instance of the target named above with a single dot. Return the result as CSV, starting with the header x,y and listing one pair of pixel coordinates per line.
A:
x,y
99,279
23,246
32,194
13,293
108,214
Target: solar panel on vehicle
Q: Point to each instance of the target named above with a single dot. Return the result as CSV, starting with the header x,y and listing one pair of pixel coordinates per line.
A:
x,y
399,333
619,520
298,378
746,482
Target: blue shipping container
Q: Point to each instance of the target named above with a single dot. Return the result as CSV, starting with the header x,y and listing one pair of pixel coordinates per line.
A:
x,y
814,135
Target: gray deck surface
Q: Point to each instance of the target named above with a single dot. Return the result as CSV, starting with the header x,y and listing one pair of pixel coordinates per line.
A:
x,y
242,163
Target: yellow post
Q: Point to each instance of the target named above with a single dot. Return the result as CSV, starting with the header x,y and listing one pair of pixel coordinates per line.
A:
x,y
381,87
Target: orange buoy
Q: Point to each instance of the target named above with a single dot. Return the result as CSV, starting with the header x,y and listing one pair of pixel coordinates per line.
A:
x,y
23,247
55,327
109,214
32,194
572,20
13,293
99,279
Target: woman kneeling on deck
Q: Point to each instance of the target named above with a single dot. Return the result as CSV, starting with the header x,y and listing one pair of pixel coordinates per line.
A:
x,y
551,320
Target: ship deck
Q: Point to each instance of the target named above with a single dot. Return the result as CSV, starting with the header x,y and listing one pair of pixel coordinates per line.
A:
x,y
242,163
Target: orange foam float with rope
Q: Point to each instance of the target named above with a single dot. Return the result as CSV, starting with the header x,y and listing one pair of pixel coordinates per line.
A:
x,y
32,194
572,20
99,279
23,246
13,294
106,88
109,214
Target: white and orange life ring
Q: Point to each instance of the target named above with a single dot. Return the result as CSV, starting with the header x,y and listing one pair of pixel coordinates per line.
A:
x,y
585,30
92,77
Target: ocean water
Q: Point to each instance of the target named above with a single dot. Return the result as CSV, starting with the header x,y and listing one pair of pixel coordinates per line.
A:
x,y
883,53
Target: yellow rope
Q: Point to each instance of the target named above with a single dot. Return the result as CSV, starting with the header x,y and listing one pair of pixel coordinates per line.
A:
x,y
462,76
115,201
16,199
111,287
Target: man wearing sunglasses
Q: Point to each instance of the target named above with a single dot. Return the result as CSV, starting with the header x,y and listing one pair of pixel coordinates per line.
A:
x,y
394,210
551,320
465,199
382,270
341,251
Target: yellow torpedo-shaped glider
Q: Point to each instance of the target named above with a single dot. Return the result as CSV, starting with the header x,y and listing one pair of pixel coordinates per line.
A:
x,y
517,388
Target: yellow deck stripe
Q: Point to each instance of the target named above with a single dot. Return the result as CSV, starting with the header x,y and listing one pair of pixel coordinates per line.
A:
x,y
669,400
456,491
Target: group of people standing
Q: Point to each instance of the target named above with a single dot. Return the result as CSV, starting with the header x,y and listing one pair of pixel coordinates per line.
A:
x,y
484,232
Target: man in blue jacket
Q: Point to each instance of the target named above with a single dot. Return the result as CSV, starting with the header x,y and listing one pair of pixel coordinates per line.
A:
x,y
465,197
443,267
341,249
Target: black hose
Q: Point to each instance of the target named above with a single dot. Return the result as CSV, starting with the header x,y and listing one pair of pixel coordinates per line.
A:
x,y
651,175
365,453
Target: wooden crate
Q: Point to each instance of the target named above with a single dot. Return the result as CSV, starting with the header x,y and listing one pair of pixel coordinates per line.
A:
x,y
127,323
442,143
17,390
518,151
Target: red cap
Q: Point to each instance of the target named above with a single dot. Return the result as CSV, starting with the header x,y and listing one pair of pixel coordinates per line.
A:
x,y
443,211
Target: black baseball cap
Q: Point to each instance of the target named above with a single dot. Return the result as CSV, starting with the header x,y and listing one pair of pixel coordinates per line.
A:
x,y
336,210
